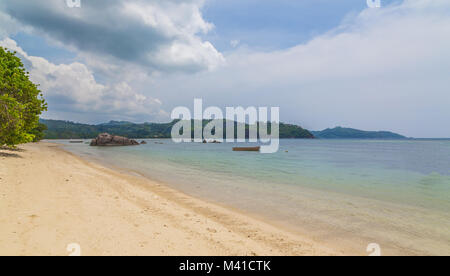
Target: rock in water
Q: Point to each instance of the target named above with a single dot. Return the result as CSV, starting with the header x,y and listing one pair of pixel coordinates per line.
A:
x,y
106,139
143,143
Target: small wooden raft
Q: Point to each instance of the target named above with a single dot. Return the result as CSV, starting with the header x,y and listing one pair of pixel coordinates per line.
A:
x,y
246,148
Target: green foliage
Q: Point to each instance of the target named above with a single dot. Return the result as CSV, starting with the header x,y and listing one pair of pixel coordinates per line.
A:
x,y
350,133
70,130
294,131
21,101
38,132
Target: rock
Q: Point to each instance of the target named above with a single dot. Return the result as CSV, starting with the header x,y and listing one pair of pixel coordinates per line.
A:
x,y
106,139
143,143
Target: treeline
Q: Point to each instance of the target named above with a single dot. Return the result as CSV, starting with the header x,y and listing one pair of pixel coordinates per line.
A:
x,y
351,133
70,130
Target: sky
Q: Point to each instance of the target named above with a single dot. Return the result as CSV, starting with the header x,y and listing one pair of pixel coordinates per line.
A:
x,y
325,63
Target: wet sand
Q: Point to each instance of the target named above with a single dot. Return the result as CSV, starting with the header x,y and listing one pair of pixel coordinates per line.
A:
x,y
50,199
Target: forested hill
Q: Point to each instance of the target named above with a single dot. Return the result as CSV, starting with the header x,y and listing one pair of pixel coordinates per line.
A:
x,y
350,133
70,130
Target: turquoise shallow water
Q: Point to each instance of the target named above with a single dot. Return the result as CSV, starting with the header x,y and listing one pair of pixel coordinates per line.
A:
x,y
345,192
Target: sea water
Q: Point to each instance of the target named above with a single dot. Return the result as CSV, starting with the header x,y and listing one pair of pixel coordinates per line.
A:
x,y
344,193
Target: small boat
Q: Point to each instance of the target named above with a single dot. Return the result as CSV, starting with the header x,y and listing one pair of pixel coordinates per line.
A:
x,y
75,142
246,148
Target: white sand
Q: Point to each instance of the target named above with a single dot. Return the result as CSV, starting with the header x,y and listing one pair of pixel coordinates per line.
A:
x,y
50,198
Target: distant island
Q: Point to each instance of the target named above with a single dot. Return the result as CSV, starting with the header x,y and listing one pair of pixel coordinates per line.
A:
x,y
57,129
350,133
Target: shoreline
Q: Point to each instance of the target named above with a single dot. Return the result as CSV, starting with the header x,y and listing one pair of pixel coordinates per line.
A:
x,y
345,222
52,198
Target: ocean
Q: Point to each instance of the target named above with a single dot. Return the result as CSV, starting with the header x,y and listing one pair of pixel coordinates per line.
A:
x,y
343,193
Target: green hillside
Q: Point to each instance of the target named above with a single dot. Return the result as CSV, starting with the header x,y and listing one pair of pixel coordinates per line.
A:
x,y
70,130
350,133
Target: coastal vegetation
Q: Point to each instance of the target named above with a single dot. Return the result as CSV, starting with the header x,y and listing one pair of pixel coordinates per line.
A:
x,y
21,103
71,130
351,133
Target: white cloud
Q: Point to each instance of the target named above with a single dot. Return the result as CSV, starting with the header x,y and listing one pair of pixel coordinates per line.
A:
x,y
386,68
7,25
159,35
73,88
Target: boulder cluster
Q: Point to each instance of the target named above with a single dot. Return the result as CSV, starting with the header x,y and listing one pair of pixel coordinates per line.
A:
x,y
106,139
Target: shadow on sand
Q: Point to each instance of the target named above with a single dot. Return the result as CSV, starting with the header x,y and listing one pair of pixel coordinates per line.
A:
x,y
13,155
9,152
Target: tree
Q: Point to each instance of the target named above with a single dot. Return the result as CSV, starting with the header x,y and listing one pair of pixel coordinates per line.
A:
x,y
21,101
38,132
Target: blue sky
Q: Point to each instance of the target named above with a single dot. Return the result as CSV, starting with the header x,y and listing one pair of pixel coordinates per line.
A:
x,y
325,63
39,46
271,25
261,24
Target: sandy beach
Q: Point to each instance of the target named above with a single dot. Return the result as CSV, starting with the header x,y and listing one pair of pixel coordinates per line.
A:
x,y
50,198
